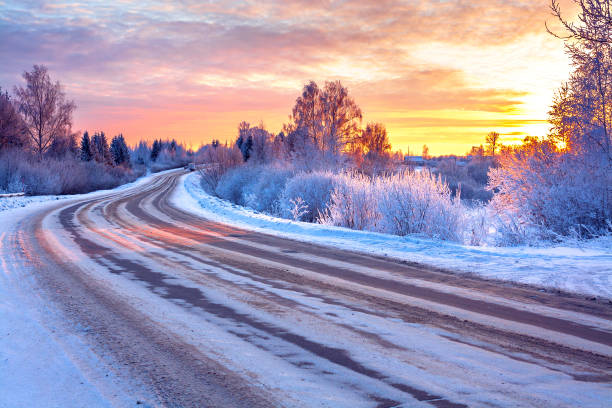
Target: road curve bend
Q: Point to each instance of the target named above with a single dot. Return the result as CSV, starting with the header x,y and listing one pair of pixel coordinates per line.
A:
x,y
205,314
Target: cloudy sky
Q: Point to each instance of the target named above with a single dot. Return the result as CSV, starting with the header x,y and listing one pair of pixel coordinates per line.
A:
x,y
440,72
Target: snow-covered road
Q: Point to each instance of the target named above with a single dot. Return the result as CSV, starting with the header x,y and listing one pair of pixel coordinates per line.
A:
x,y
142,301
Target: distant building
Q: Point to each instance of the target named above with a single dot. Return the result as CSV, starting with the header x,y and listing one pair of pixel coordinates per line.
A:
x,y
414,160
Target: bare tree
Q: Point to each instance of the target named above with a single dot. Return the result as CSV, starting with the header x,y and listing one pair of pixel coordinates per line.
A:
x,y
595,21
492,143
374,139
582,112
45,111
341,117
328,118
11,124
425,152
307,115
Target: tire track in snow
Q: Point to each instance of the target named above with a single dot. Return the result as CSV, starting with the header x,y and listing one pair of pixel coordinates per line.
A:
x,y
158,221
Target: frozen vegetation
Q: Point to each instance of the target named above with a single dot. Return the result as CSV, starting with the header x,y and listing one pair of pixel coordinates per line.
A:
x,y
400,203
41,155
577,266
324,167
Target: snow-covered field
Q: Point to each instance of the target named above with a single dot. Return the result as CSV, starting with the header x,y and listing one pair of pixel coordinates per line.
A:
x,y
8,203
36,369
581,268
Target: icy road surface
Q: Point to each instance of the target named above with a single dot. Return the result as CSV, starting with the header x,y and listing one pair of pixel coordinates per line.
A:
x,y
122,299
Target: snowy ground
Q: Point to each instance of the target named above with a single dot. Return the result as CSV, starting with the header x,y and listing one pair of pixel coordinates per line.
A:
x,y
299,341
38,363
8,203
585,269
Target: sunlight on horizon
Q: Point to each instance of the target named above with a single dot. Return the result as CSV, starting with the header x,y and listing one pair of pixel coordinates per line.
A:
x,y
442,75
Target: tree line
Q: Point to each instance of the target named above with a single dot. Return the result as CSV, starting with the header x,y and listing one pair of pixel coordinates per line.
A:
x,y
546,188
40,154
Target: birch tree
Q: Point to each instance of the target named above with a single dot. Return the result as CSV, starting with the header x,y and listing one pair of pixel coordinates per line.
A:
x,y
46,112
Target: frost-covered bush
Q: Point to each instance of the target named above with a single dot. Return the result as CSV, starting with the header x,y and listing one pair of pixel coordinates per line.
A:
x,y
263,192
9,166
254,186
217,160
400,204
21,172
544,193
418,203
313,189
478,225
353,203
232,183
39,180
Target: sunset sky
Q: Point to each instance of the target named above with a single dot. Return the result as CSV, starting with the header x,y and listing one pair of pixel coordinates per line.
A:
x,y
442,73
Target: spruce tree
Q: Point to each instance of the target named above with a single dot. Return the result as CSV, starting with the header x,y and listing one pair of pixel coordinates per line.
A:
x,y
119,151
157,146
86,154
246,148
100,148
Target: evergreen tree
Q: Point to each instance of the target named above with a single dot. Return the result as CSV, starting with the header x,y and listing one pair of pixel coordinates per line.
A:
x,y
119,151
100,149
86,154
157,147
246,148
244,142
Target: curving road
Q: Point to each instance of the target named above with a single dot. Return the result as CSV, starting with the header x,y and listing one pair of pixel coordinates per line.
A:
x,y
202,314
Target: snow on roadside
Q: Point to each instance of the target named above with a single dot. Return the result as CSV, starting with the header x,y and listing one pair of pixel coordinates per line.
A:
x,y
8,203
584,269
41,363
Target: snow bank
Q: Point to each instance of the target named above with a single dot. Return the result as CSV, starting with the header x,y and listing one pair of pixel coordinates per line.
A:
x,y
7,203
41,363
585,269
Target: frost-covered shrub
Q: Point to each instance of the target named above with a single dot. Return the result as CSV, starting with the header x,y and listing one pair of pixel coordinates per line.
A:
x,y
543,193
418,203
233,182
217,160
39,180
263,192
478,225
400,204
15,185
10,162
353,203
257,187
20,171
314,189
297,209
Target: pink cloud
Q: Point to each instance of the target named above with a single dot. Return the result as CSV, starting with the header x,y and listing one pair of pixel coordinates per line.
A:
x,y
134,59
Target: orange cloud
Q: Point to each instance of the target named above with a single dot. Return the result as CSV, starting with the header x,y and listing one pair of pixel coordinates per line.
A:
x,y
437,72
